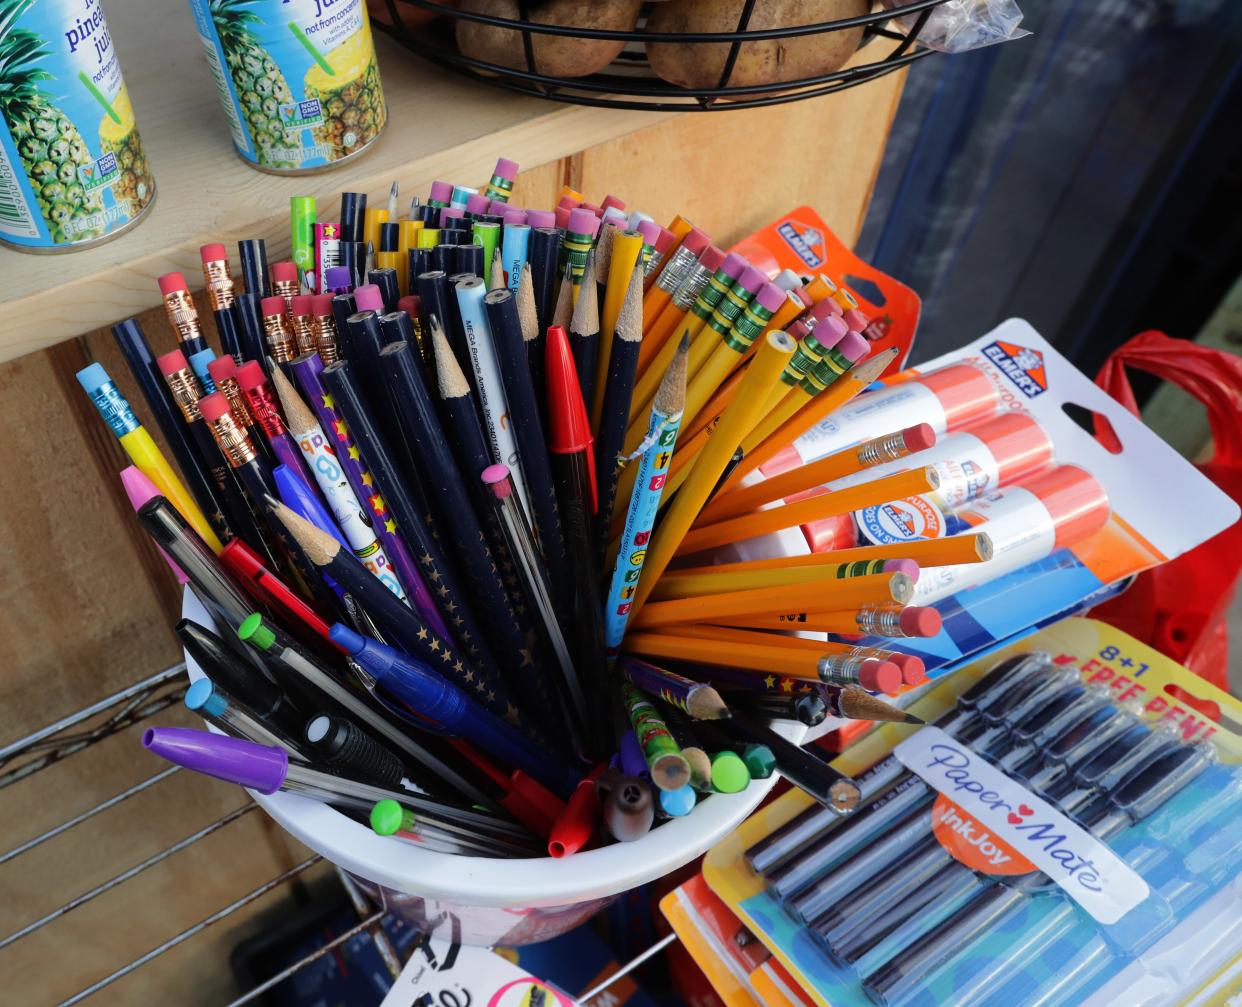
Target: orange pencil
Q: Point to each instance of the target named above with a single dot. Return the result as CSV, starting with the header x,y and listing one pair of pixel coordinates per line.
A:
x,y
837,465
878,589
870,620
724,578
760,448
683,299
816,508
675,269
673,235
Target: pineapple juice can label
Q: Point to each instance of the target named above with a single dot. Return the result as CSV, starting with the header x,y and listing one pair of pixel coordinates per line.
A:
x,y
298,79
72,168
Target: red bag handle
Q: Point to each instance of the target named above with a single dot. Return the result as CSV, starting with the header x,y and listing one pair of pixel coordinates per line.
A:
x,y
1213,377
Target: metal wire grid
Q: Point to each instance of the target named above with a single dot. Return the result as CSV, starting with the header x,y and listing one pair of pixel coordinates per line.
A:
x,y
636,86
76,733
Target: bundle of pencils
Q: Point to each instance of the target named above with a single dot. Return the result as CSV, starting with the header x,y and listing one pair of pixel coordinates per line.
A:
x,y
438,488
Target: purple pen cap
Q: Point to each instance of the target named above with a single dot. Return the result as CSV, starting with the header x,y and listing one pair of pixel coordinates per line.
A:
x,y
336,277
369,298
752,279
496,478
477,203
230,759
140,489
907,566
734,265
633,762
853,347
541,218
770,297
441,192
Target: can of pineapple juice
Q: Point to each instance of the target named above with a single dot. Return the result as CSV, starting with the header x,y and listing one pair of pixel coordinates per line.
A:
x,y
72,169
298,79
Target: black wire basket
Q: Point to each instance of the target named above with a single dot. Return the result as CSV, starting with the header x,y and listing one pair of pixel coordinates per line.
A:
x,y
629,80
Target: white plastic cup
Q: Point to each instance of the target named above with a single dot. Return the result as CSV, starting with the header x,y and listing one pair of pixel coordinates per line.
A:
x,y
509,902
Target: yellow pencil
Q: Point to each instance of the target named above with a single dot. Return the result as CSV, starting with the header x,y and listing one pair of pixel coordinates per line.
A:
x,y
625,248
677,585
737,419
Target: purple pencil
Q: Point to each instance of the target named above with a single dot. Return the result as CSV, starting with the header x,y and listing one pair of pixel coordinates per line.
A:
x,y
695,699
307,369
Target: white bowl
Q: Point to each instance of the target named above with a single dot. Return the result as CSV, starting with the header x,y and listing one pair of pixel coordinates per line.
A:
x,y
503,901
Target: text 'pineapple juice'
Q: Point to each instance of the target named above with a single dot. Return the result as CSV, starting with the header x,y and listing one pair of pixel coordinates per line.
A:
x,y
298,79
72,167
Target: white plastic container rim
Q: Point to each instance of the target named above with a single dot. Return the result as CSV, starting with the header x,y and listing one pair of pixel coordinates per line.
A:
x,y
584,876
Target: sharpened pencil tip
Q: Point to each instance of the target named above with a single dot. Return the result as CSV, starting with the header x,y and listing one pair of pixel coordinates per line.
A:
x,y
912,719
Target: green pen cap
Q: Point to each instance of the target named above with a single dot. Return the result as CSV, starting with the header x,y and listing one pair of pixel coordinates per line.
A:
x,y
253,631
760,762
729,773
302,221
387,817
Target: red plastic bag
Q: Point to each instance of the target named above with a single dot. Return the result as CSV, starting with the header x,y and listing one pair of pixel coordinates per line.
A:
x,y
1179,608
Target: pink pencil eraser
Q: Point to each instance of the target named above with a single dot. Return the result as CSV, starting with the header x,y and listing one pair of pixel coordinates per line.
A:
x,y
321,304
272,305
853,347
649,230
451,213
880,676
907,566
696,240
567,202
913,669
919,437
140,489
856,320
734,265
541,218
613,203
770,296
830,331
171,363
582,222
499,207
496,478
828,308
284,272
712,258
368,298
250,375
170,283
665,240
222,368
215,405
752,279
515,218
561,213
477,203
213,253
301,304
506,169
919,621
441,192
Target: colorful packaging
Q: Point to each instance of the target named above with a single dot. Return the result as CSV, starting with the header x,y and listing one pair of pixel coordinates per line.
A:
x,y
298,79
72,168
1064,832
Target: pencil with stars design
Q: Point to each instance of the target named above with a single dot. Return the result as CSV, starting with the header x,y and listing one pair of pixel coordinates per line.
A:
x,y
307,370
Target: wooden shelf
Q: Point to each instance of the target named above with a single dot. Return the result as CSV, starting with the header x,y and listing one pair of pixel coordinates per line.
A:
x,y
440,126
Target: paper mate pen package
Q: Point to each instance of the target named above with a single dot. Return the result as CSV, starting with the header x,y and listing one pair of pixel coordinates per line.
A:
x,y
297,78
1068,520
73,171
1063,832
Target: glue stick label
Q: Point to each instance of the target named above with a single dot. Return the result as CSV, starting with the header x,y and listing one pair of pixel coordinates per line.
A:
x,y
869,415
1021,529
995,825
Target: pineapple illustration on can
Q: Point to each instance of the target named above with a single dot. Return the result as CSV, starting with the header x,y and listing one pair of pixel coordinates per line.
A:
x,y
72,169
298,79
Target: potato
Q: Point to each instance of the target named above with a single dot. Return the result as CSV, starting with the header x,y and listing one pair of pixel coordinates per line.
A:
x,y
555,55
699,65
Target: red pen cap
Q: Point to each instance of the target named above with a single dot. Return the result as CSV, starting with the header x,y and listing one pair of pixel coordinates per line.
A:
x,y
574,828
569,430
272,305
222,368
284,272
171,363
543,806
246,565
170,283
250,375
301,304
